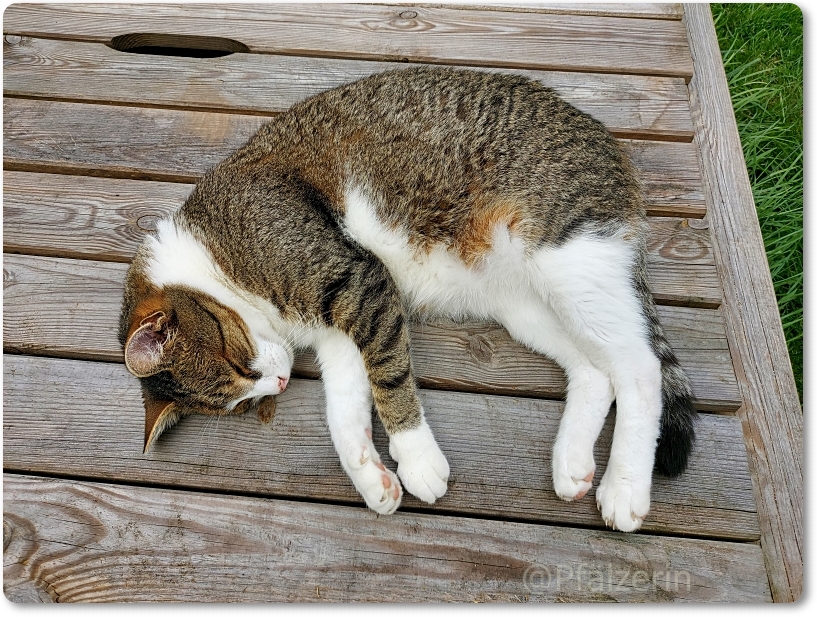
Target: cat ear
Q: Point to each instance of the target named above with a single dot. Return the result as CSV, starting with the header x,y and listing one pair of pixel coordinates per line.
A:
x,y
266,409
160,415
144,351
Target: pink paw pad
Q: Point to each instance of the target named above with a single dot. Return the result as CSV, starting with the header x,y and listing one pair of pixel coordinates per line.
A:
x,y
587,478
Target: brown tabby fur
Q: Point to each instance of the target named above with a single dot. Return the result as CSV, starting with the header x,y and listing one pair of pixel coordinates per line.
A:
x,y
450,152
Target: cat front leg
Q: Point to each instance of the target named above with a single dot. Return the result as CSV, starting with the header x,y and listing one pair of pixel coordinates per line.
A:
x,y
348,414
367,306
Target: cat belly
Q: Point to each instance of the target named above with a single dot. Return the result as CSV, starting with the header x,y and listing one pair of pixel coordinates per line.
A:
x,y
437,281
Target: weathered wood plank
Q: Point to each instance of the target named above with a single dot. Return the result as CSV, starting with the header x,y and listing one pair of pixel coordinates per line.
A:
x,y
89,422
70,308
377,32
771,413
72,541
630,106
106,219
608,9
179,146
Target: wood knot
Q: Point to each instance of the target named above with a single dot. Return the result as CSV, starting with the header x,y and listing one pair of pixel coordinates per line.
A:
x,y
480,348
9,278
8,532
148,222
13,39
409,21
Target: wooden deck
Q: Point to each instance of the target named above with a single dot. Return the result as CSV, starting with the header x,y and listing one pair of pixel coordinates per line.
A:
x,y
99,143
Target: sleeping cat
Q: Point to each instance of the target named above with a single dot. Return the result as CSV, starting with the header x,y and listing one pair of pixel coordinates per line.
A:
x,y
452,192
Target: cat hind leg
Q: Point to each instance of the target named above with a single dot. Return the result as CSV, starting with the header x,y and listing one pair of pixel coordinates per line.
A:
x,y
589,393
590,288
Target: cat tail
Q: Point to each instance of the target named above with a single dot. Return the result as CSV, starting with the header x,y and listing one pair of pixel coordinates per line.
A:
x,y
678,415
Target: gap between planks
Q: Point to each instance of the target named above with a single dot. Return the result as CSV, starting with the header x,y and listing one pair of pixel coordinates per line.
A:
x,y
644,10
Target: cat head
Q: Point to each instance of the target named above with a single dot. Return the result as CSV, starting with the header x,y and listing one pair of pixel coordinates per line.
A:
x,y
195,355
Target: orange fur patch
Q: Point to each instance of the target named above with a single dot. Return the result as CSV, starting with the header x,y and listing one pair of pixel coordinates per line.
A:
x,y
476,237
145,309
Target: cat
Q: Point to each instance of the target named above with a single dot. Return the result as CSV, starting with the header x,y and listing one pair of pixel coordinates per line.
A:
x,y
454,192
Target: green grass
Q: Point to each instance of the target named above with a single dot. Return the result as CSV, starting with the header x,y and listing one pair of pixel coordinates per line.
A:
x,y
762,49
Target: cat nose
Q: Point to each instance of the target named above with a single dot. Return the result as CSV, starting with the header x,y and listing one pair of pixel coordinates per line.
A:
x,y
282,383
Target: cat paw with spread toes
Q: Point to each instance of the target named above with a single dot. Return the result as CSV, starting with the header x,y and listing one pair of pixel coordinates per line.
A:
x,y
421,465
623,503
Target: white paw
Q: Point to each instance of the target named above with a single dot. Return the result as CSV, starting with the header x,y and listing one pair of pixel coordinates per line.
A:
x,y
623,501
573,470
420,463
378,486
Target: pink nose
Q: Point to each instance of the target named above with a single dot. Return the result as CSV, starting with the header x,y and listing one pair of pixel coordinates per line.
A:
x,y
282,383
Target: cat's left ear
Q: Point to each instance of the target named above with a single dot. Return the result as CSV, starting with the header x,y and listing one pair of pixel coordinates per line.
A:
x,y
160,415
146,345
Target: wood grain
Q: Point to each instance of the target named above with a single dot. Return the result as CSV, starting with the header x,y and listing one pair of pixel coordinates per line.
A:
x,y
608,9
179,146
630,106
375,32
771,412
73,541
89,422
106,219
70,308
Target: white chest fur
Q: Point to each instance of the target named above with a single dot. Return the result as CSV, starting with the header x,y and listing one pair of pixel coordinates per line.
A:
x,y
178,258
438,281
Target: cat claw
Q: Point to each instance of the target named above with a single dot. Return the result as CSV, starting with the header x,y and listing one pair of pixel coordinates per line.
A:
x,y
622,503
379,487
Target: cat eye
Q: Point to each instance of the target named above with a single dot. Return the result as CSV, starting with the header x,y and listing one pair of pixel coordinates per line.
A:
x,y
244,372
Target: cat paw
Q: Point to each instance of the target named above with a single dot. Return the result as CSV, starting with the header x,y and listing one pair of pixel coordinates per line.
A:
x,y
421,465
378,486
572,473
623,502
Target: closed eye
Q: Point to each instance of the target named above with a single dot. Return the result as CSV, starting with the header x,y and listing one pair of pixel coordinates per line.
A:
x,y
244,372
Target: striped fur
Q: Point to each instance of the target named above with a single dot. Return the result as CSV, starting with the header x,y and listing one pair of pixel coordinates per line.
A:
x,y
461,193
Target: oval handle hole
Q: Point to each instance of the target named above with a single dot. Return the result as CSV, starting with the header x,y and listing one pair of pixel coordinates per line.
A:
x,y
185,45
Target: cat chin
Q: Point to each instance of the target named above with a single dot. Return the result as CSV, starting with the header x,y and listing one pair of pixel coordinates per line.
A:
x,y
274,362
268,386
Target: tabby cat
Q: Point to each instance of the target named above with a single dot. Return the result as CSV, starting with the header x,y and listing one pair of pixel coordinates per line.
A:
x,y
451,192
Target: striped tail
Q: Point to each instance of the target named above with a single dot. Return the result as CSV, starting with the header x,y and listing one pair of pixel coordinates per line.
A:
x,y
678,415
